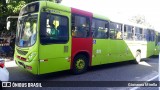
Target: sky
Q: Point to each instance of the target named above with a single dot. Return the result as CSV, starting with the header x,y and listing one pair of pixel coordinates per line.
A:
x,y
121,9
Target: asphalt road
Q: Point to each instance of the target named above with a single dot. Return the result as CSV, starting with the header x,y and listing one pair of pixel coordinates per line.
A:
x,y
147,70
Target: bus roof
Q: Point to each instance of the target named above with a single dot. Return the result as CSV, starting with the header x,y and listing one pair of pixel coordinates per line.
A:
x,y
101,17
57,6
65,8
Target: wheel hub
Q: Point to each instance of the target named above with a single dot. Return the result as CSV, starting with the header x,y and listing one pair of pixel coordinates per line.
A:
x,y
80,64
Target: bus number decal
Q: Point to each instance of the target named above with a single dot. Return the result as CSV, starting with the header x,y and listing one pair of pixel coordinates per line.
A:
x,y
98,51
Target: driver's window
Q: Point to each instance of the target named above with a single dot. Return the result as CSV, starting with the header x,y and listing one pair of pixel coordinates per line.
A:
x,y
54,29
52,26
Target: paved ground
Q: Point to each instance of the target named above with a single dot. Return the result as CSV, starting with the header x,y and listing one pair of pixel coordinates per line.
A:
x,y
146,70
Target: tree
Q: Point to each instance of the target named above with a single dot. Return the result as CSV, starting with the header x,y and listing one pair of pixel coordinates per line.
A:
x,y
140,19
56,1
10,8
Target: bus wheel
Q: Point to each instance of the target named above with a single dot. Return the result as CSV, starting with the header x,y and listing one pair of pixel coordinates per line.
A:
x,y
138,57
80,64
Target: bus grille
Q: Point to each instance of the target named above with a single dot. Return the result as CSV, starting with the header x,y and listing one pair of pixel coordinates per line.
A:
x,y
22,52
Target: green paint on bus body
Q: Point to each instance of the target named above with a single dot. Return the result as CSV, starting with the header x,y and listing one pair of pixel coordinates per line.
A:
x,y
109,50
34,62
157,50
100,17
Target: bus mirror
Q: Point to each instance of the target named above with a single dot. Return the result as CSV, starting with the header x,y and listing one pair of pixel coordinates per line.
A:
x,y
8,25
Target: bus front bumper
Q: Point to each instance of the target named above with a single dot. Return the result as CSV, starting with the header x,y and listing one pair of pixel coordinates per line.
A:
x,y
32,66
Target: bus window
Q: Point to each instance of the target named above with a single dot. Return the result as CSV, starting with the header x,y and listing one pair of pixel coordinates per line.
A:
x,y
112,31
141,34
119,31
100,28
138,33
128,32
55,30
27,31
158,39
148,35
80,26
33,36
152,35
115,30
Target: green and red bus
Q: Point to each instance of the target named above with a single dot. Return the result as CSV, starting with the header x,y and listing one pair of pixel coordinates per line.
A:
x,y
51,37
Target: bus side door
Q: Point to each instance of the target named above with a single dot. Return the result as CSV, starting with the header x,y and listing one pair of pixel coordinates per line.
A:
x,y
55,41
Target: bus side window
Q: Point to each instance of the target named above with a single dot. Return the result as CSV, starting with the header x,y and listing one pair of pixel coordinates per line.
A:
x,y
54,24
152,35
94,31
112,32
136,33
80,26
55,29
118,31
128,32
125,33
148,35
100,28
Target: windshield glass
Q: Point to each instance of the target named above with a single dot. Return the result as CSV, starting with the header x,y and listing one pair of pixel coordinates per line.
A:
x,y
26,31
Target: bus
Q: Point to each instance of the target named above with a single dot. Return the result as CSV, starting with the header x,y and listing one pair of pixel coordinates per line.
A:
x,y
51,37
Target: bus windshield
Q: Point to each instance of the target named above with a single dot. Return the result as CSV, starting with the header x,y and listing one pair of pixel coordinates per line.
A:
x,y
26,31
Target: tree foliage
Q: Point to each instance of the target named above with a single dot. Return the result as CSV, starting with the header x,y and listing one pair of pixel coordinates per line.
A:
x,y
15,7
140,19
10,8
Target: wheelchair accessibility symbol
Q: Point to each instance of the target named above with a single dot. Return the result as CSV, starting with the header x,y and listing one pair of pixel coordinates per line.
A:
x,y
94,41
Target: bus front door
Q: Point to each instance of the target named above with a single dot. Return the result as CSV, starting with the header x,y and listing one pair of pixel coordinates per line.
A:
x,y
55,47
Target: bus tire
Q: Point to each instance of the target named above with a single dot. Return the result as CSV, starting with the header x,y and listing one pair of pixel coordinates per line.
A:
x,y
138,57
80,64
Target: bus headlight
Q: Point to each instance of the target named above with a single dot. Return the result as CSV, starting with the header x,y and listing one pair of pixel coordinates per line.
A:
x,y
31,56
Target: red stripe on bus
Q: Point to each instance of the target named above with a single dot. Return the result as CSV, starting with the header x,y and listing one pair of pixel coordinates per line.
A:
x,y
81,12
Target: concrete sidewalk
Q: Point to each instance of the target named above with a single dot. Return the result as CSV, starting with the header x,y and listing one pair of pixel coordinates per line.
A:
x,y
10,63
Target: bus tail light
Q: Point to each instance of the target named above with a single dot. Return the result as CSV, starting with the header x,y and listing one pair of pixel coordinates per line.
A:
x,y
2,63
